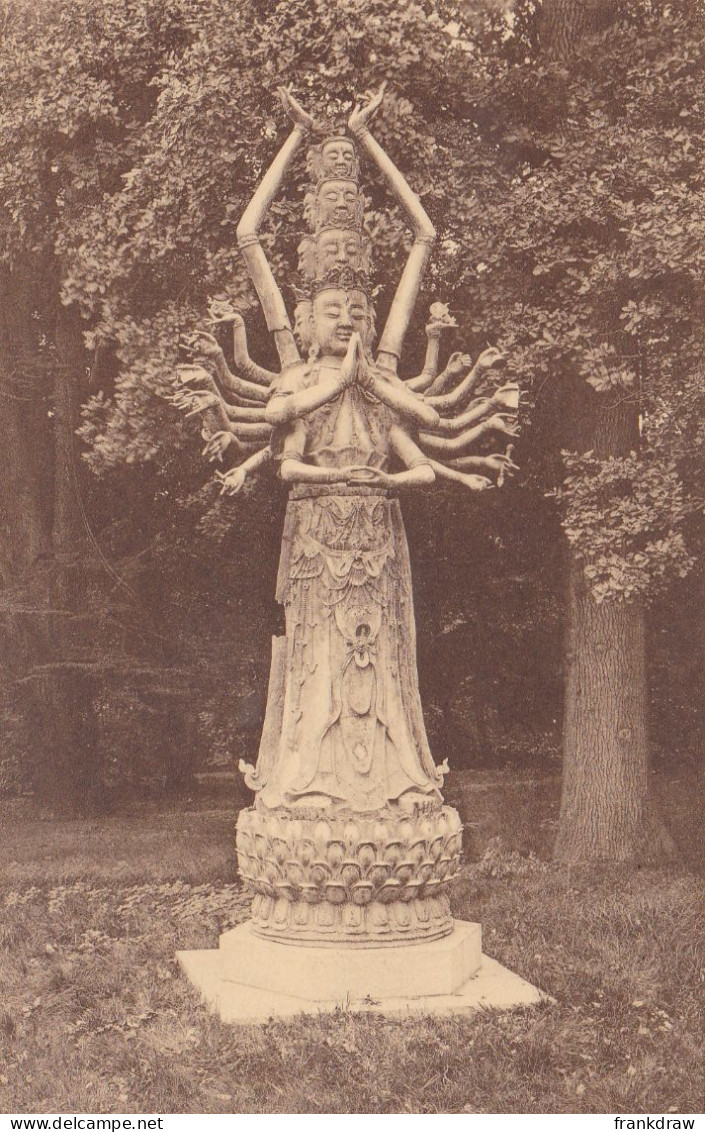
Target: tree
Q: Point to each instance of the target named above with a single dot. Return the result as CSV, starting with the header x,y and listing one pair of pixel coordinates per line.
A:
x,y
578,187
599,218
606,805
66,138
567,201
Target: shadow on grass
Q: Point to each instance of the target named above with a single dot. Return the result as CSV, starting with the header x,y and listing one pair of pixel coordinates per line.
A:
x,y
95,1016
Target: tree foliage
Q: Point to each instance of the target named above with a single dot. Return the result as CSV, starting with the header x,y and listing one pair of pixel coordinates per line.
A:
x,y
568,201
569,205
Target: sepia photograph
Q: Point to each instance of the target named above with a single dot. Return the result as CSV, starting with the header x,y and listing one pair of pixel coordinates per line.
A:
x,y
352,517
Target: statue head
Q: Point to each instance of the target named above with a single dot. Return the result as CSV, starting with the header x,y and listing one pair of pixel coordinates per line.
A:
x,y
335,202
332,249
334,157
336,313
302,323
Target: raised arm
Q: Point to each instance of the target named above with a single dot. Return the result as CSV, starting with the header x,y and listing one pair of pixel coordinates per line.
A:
x,y
424,233
392,391
221,313
430,366
205,345
248,234
243,361
441,319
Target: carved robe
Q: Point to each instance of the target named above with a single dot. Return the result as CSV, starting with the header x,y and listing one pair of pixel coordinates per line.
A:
x,y
344,720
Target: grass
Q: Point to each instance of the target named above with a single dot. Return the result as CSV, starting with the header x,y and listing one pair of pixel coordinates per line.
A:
x,y
95,1016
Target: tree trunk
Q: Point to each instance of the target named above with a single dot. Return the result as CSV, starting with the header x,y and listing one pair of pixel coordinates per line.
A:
x,y
562,23
24,436
64,723
69,384
606,809
606,806
67,528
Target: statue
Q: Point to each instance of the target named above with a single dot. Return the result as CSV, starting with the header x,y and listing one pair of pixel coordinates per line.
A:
x,y
349,840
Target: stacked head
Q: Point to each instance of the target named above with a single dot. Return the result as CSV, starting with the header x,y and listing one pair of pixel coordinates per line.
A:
x,y
334,260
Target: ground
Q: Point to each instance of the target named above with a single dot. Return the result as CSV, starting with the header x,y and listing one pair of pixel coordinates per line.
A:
x,y
96,1017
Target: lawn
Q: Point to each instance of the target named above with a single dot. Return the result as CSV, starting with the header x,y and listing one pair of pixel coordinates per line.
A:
x,y
96,1017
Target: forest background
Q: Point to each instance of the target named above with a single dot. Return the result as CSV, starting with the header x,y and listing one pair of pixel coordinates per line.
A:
x,y
558,149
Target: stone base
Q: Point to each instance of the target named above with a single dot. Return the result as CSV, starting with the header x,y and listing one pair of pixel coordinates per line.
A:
x,y
346,879
248,979
351,974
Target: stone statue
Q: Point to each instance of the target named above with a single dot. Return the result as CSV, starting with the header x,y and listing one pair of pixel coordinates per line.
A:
x,y
349,839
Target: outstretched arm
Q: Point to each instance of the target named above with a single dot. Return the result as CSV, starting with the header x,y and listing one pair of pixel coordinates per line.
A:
x,y
474,483
463,392
205,345
458,445
204,399
424,233
200,381
504,401
248,239
222,313
231,482
394,393
481,407
222,422
500,463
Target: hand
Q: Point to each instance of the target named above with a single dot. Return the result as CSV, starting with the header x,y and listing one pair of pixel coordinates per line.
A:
x,y
221,311
477,483
458,364
480,405
507,396
201,343
361,115
502,465
305,122
231,482
347,373
502,422
364,474
441,319
195,400
187,374
217,444
365,371
489,358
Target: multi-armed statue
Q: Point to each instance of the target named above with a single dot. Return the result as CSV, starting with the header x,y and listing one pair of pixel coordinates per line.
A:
x,y
349,840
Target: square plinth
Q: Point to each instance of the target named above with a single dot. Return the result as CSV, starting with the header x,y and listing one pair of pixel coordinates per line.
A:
x,y
343,974
446,976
